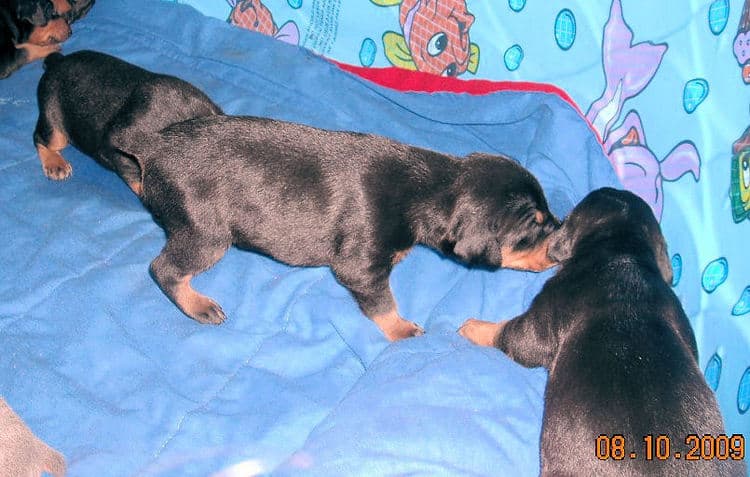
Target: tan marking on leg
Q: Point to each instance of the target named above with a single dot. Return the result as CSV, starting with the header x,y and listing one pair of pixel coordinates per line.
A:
x,y
534,259
400,255
395,328
196,306
61,6
36,52
480,332
55,31
136,187
54,165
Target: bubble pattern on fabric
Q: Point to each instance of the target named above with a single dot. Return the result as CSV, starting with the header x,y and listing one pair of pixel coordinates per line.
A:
x,y
565,29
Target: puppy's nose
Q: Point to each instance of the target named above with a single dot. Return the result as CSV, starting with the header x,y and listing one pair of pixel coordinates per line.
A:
x,y
540,261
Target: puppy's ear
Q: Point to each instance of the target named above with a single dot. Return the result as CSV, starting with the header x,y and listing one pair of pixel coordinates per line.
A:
x,y
472,248
132,143
662,258
36,13
470,239
560,243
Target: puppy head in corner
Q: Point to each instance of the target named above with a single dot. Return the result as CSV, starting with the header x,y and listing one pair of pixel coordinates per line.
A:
x,y
500,217
37,13
45,21
601,216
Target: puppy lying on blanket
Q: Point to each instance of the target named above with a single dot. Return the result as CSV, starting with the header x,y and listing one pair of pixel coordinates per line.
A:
x,y
30,30
310,197
87,98
21,452
621,355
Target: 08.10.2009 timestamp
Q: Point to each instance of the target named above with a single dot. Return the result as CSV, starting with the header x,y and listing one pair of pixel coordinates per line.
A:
x,y
660,447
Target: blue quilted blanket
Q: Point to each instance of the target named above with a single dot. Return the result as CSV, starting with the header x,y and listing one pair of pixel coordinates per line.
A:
x,y
296,382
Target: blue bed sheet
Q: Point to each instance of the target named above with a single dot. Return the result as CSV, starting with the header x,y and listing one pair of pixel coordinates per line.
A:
x,y
297,382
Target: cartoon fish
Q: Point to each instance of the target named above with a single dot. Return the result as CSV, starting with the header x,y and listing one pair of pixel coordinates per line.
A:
x,y
253,15
435,37
742,42
638,168
739,190
628,69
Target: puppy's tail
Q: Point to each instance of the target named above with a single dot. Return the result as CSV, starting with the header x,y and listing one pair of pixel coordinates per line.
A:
x,y
135,145
52,59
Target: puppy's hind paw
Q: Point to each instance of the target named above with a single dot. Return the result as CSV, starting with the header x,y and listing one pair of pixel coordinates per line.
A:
x,y
208,312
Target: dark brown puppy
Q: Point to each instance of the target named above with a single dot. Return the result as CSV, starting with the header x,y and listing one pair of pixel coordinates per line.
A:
x,y
31,30
620,351
87,98
311,197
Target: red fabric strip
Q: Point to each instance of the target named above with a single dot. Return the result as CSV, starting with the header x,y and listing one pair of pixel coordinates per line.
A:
x,y
417,81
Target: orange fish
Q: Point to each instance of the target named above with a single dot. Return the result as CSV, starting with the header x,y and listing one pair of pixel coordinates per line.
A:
x,y
253,15
435,37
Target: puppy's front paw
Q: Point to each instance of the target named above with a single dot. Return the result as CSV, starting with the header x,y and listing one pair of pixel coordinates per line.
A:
x,y
205,310
479,332
396,328
58,171
54,165
37,52
404,329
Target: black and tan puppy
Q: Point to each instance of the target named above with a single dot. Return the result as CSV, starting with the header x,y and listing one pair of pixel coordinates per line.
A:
x,y
87,98
311,197
620,352
30,30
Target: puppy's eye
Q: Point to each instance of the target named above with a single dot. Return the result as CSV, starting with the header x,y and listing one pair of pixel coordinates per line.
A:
x,y
524,243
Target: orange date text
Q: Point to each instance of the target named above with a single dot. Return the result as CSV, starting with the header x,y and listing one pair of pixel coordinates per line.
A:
x,y
661,447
